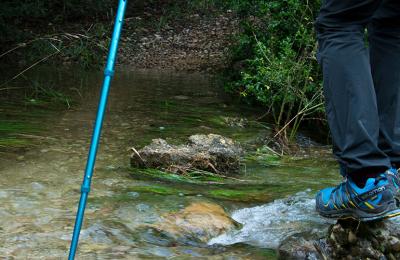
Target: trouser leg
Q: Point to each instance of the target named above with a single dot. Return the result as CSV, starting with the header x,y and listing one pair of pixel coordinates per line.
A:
x,y
384,41
351,103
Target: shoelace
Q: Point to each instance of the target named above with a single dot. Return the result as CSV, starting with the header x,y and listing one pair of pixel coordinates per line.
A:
x,y
344,182
380,178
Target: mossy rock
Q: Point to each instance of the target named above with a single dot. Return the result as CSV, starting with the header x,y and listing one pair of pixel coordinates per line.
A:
x,y
212,153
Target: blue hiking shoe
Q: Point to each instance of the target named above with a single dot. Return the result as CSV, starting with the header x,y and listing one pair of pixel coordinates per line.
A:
x,y
393,176
377,200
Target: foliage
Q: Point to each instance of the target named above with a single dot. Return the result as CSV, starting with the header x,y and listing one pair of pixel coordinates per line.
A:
x,y
14,15
273,61
31,28
276,51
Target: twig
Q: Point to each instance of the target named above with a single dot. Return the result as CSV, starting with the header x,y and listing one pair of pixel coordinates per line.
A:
x,y
213,167
67,35
54,47
13,49
30,67
24,44
272,150
137,153
303,111
3,89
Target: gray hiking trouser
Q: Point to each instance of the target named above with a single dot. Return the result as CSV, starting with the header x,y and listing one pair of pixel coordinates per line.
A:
x,y
361,81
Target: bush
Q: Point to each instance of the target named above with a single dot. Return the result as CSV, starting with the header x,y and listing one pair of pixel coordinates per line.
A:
x,y
34,30
278,47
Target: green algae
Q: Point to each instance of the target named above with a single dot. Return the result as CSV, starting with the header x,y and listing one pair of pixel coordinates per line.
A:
x,y
158,189
15,134
195,177
21,121
8,142
250,193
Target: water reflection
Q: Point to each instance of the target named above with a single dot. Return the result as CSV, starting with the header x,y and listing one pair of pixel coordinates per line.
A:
x,y
39,191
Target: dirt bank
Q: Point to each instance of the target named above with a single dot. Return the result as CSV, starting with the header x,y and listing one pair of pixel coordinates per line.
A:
x,y
197,43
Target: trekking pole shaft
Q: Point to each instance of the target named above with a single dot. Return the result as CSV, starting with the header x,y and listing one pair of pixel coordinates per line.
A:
x,y
108,74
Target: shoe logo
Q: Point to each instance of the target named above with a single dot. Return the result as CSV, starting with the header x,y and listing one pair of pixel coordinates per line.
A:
x,y
372,193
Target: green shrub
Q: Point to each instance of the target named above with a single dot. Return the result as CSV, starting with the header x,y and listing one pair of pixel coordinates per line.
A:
x,y
278,46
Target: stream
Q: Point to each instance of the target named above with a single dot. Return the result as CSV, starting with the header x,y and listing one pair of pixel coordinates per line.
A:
x,y
41,178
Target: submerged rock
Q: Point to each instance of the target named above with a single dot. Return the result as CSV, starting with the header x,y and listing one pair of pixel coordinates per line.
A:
x,y
347,239
236,121
195,224
213,153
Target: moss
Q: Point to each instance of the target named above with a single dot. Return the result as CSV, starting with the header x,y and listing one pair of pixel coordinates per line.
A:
x,y
195,177
13,142
251,193
217,120
16,126
158,189
10,131
248,195
20,122
269,254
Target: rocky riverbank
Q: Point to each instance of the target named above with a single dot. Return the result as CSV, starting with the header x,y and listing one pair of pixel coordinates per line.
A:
x,y
198,43
347,239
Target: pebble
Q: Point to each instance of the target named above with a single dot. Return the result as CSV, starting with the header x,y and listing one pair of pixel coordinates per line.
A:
x,y
181,46
395,244
37,186
352,238
142,207
133,194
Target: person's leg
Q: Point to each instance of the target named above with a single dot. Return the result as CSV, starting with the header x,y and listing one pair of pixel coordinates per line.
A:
x,y
384,41
352,112
351,104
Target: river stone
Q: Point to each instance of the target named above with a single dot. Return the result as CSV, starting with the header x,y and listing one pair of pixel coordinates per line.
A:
x,y
347,239
193,225
235,121
297,247
213,153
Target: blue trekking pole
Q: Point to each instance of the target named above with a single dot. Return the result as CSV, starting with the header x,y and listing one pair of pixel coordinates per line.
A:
x,y
108,73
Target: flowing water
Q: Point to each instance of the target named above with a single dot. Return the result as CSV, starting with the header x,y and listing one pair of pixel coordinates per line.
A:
x,y
40,181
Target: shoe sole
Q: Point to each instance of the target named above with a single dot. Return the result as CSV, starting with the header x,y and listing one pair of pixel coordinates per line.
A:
x,y
366,218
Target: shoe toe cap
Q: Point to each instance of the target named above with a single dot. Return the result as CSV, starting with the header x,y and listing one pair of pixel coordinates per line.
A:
x,y
323,196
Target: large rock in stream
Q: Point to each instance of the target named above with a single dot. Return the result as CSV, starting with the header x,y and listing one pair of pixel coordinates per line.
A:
x,y
347,239
194,225
213,153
